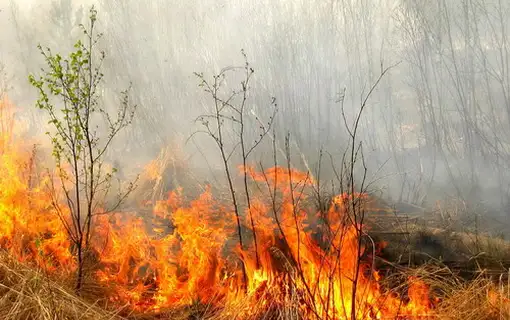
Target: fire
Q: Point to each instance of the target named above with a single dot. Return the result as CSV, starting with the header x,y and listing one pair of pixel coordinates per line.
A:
x,y
29,226
188,250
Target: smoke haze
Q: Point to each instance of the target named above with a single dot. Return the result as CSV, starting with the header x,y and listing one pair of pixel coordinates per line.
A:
x,y
436,127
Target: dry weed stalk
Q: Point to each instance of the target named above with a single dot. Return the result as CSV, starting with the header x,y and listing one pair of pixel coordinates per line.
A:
x,y
232,108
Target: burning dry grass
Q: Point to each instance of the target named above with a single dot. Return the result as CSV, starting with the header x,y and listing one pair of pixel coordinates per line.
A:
x,y
26,293
194,270
156,274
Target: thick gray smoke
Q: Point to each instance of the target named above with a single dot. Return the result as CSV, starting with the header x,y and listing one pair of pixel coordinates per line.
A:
x,y
437,126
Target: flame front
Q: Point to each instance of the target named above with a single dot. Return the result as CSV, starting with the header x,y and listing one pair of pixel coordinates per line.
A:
x,y
189,251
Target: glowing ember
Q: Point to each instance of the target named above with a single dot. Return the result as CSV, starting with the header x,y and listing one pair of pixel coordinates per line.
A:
x,y
154,266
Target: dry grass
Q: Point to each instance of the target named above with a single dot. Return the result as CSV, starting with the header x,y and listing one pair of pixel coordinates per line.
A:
x,y
28,294
484,297
468,271
475,300
478,299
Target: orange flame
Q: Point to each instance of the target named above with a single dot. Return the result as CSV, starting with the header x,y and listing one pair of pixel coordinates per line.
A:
x,y
189,251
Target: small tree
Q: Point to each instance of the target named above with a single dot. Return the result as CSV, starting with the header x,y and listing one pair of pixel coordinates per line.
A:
x,y
79,147
232,108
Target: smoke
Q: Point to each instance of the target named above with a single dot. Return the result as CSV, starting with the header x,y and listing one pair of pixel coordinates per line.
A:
x,y
434,127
